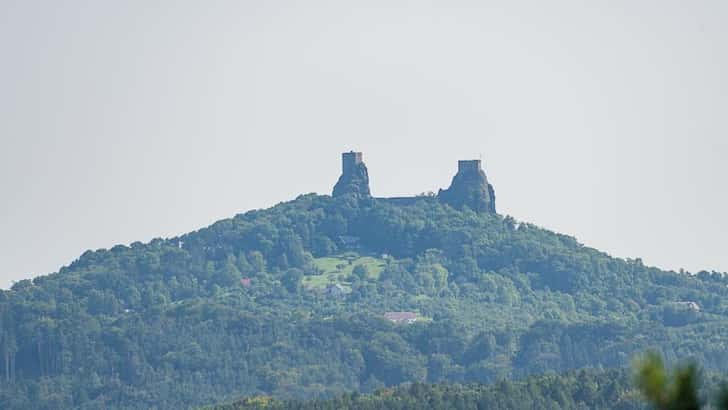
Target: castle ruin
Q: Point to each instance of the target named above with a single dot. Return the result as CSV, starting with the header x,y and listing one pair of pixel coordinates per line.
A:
x,y
469,187
354,177
350,160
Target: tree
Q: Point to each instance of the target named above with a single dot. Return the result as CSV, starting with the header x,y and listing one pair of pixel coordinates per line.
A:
x,y
360,271
228,274
676,390
257,262
292,279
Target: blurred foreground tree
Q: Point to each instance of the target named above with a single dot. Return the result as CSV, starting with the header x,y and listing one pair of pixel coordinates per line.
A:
x,y
672,390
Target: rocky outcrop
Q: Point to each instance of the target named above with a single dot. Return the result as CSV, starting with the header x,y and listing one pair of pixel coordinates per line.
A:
x,y
469,188
354,177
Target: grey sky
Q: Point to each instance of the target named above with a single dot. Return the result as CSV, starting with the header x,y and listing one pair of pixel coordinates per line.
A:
x,y
123,121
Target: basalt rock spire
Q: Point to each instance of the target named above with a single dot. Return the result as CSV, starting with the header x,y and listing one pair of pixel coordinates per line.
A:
x,y
470,188
354,177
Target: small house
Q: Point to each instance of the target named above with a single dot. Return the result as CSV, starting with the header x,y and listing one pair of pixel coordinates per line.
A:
x,y
690,305
401,317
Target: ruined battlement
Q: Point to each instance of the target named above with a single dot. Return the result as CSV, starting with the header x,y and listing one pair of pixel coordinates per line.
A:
x,y
469,165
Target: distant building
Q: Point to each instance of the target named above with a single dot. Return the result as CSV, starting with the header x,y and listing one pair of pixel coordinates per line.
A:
x,y
401,317
689,305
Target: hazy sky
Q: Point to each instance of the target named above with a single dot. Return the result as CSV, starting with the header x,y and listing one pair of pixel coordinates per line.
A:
x,y
129,120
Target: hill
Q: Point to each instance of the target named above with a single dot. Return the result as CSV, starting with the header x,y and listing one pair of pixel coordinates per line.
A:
x,y
324,294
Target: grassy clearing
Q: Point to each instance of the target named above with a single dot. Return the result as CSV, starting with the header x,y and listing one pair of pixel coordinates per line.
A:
x,y
423,319
337,269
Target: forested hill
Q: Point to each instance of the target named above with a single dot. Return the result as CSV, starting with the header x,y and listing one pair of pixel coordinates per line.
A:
x,y
291,302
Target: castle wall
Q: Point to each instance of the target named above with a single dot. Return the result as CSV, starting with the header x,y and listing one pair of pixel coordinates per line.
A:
x,y
405,200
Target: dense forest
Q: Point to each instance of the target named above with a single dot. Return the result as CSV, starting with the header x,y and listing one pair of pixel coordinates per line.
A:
x,y
582,390
650,384
291,301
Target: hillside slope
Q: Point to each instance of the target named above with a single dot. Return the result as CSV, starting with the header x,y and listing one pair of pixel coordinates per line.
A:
x,y
290,301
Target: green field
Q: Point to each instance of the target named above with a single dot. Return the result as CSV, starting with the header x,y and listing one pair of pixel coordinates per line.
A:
x,y
337,269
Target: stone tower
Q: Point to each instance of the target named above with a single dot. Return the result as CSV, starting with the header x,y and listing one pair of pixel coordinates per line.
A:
x,y
470,188
354,177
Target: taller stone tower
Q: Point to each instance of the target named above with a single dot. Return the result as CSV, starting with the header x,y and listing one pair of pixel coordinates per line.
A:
x,y
470,188
354,177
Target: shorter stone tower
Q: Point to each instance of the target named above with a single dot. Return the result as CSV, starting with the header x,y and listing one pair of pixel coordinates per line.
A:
x,y
470,188
354,177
